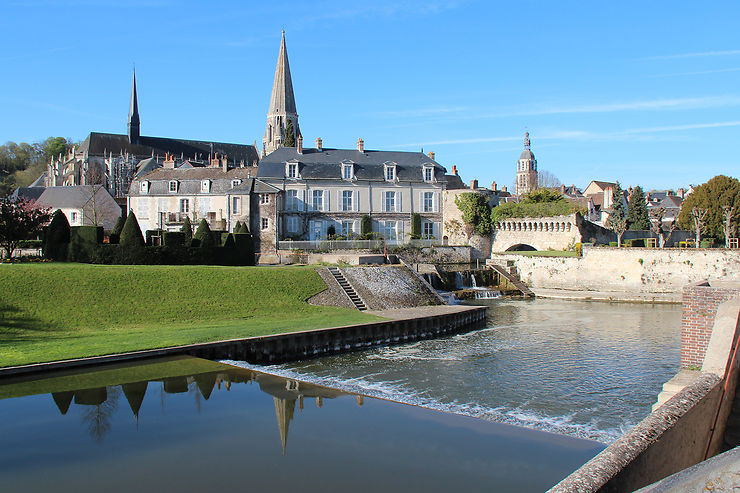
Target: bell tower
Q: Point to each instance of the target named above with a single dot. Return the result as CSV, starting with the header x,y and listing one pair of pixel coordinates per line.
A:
x,y
526,170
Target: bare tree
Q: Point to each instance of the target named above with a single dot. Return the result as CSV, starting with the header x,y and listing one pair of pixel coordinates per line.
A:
x,y
658,226
545,179
727,226
698,215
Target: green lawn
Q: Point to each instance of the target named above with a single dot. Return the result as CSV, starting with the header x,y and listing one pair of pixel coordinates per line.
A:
x,y
55,311
545,253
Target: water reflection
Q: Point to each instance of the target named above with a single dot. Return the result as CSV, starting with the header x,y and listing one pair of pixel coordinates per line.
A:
x,y
100,403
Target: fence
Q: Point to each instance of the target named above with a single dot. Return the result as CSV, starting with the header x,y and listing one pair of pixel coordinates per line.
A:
x,y
379,244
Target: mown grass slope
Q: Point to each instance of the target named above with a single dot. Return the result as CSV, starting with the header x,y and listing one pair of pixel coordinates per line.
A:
x,y
59,311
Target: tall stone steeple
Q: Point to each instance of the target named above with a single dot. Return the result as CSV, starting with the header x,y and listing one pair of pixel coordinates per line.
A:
x,y
282,105
134,130
526,170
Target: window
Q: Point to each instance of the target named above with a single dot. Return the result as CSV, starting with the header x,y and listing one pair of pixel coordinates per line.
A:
x,y
74,217
390,173
317,200
265,223
428,174
347,171
184,206
428,201
264,198
173,186
390,202
428,231
292,224
291,200
235,183
389,231
205,186
347,200
144,186
236,205
292,170
348,228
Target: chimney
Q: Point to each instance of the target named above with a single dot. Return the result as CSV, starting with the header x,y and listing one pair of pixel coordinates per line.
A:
x,y
431,155
299,144
319,144
225,163
562,189
503,189
493,186
473,184
454,170
360,145
169,161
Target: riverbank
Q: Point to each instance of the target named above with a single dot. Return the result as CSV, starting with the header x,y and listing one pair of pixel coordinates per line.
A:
x,y
608,296
51,312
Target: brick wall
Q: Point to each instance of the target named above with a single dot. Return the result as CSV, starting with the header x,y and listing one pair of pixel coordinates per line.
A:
x,y
699,307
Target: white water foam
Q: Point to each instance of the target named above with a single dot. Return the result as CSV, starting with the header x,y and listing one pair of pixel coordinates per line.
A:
x,y
396,391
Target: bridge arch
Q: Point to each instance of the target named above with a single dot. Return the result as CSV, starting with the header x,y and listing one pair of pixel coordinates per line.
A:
x,y
521,247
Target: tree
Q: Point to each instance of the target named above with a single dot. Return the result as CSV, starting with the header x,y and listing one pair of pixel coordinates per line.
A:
x,y
712,196
699,226
289,135
242,228
415,226
366,226
187,229
729,228
203,235
658,227
543,196
545,179
131,234
617,220
476,213
118,228
19,220
637,214
57,237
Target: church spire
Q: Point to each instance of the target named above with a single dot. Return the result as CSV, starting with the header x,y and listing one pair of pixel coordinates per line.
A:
x,y
134,130
282,104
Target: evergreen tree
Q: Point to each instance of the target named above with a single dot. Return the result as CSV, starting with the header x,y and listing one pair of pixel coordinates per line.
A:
x,y
242,228
131,234
366,226
203,235
119,226
637,214
187,229
415,226
57,237
229,243
713,196
289,135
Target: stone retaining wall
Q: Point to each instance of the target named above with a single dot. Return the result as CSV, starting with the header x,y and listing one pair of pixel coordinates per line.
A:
x,y
646,270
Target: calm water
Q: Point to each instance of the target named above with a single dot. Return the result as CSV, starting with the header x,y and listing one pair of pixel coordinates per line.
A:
x,y
583,369
183,424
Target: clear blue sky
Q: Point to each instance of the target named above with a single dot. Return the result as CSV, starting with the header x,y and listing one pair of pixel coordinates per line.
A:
x,y
641,92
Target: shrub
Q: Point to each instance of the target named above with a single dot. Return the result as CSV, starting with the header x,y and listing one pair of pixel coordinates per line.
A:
x,y
131,236
331,231
173,239
187,229
366,225
415,226
57,237
118,228
203,235
84,240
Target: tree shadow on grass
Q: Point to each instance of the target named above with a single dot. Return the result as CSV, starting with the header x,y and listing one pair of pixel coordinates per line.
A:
x,y
16,326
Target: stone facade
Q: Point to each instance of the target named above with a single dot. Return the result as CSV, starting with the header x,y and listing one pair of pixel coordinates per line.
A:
x,y
699,307
546,233
638,270
454,230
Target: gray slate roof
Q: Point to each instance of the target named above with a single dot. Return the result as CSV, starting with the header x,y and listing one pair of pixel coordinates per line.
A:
x,y
99,143
526,154
368,165
69,197
27,193
189,181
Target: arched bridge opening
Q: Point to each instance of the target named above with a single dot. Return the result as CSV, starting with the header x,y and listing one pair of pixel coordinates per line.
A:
x,y
521,247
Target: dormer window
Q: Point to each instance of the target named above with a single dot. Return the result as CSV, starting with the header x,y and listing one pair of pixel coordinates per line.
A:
x,y
235,183
205,186
428,174
390,172
173,186
144,187
348,171
291,170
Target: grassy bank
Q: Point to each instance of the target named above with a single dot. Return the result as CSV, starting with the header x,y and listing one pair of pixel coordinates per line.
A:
x,y
50,312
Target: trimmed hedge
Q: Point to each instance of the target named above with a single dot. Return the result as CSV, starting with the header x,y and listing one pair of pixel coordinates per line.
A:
x,y
56,238
83,241
164,255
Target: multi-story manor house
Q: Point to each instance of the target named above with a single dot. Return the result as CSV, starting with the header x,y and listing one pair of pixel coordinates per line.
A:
x,y
325,189
114,159
223,196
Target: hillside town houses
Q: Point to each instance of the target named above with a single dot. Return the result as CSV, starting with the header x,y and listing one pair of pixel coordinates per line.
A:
x,y
283,191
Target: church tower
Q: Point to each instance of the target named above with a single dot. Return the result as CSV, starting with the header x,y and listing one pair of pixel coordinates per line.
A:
x,y
134,130
526,170
282,107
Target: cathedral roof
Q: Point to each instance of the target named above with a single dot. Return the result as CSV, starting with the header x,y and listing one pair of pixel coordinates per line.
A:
x,y
282,99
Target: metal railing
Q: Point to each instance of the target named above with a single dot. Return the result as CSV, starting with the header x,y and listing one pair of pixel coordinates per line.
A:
x,y
352,244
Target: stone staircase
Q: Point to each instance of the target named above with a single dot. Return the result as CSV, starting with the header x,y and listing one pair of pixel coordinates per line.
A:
x,y
347,288
508,271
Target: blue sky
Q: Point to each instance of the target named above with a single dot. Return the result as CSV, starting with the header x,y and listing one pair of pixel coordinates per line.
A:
x,y
645,93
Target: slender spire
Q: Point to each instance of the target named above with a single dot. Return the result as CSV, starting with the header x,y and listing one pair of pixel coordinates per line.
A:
x,y
134,127
526,140
282,104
